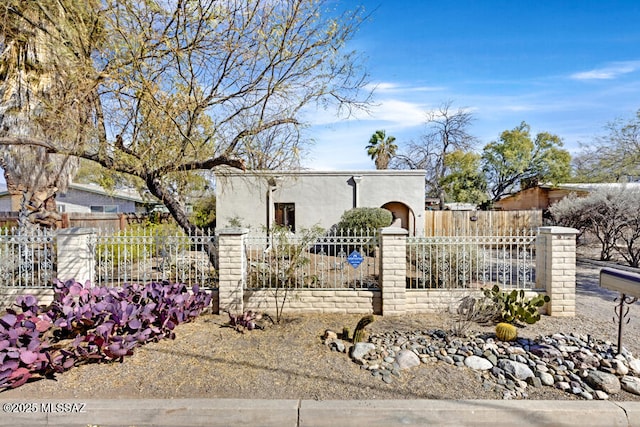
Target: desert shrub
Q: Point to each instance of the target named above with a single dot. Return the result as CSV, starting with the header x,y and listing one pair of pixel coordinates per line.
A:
x,y
612,215
357,219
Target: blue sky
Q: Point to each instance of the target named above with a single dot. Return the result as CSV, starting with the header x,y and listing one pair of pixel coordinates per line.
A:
x,y
565,67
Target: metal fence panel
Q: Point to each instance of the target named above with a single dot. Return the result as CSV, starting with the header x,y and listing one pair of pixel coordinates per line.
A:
x,y
27,259
146,255
341,260
472,261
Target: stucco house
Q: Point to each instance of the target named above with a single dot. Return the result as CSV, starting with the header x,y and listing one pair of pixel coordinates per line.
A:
x,y
303,199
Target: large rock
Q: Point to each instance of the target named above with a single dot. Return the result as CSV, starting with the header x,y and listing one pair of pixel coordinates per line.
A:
x,y
604,381
361,349
634,365
545,351
546,378
631,384
477,362
407,359
517,369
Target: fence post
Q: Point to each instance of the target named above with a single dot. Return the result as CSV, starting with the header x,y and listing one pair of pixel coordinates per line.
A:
x,y
556,268
393,270
76,259
232,269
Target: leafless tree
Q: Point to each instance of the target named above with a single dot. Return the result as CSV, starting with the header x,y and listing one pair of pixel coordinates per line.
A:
x,y
447,131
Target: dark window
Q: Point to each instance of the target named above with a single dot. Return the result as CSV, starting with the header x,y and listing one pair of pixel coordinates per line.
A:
x,y
104,209
286,215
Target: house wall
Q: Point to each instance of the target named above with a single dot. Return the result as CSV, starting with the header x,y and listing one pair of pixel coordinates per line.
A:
x,y
81,201
531,198
320,198
5,204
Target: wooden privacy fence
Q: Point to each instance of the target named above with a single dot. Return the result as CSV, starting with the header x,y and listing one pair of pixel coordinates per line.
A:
x,y
102,221
446,223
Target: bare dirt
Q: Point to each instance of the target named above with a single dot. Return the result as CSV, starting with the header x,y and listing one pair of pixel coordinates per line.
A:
x,y
289,361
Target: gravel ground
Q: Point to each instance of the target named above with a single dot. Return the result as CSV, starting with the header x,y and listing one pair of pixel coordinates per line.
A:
x,y
289,361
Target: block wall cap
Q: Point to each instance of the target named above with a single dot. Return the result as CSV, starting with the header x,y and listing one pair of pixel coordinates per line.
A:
x,y
557,230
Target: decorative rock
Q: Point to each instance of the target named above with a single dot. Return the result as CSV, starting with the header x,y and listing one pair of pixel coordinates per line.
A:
x,y
535,381
631,384
479,363
337,345
545,351
361,349
517,369
601,395
620,367
586,395
329,336
634,366
606,382
546,378
407,359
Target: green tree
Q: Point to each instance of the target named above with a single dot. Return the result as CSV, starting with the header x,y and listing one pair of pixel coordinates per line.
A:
x,y
189,86
613,157
516,161
465,182
381,148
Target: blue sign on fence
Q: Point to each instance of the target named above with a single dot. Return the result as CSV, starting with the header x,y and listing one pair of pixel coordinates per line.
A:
x,y
355,259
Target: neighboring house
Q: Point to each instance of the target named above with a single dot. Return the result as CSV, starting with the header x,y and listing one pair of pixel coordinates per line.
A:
x,y
543,196
302,199
85,198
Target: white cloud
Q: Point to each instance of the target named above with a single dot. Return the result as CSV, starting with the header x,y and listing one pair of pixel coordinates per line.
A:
x,y
388,87
608,72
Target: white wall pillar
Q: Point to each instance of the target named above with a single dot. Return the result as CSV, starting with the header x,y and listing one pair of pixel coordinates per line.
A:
x,y
393,270
556,268
76,258
232,269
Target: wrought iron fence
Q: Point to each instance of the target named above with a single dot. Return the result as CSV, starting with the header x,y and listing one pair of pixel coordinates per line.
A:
x,y
339,260
27,259
472,261
143,255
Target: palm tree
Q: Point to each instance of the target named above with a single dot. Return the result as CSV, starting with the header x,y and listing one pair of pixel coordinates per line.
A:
x,y
381,148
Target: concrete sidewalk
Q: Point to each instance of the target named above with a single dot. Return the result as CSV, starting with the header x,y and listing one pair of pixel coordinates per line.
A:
x,y
306,413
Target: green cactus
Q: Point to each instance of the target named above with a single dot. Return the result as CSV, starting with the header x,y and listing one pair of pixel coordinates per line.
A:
x,y
506,332
515,307
359,335
346,333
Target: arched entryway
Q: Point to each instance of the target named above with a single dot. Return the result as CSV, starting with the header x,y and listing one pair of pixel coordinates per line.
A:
x,y
403,214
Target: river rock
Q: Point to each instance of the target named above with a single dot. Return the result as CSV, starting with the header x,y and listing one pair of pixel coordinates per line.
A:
x,y
407,359
604,381
545,352
634,365
361,349
479,363
620,367
631,384
545,377
517,369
